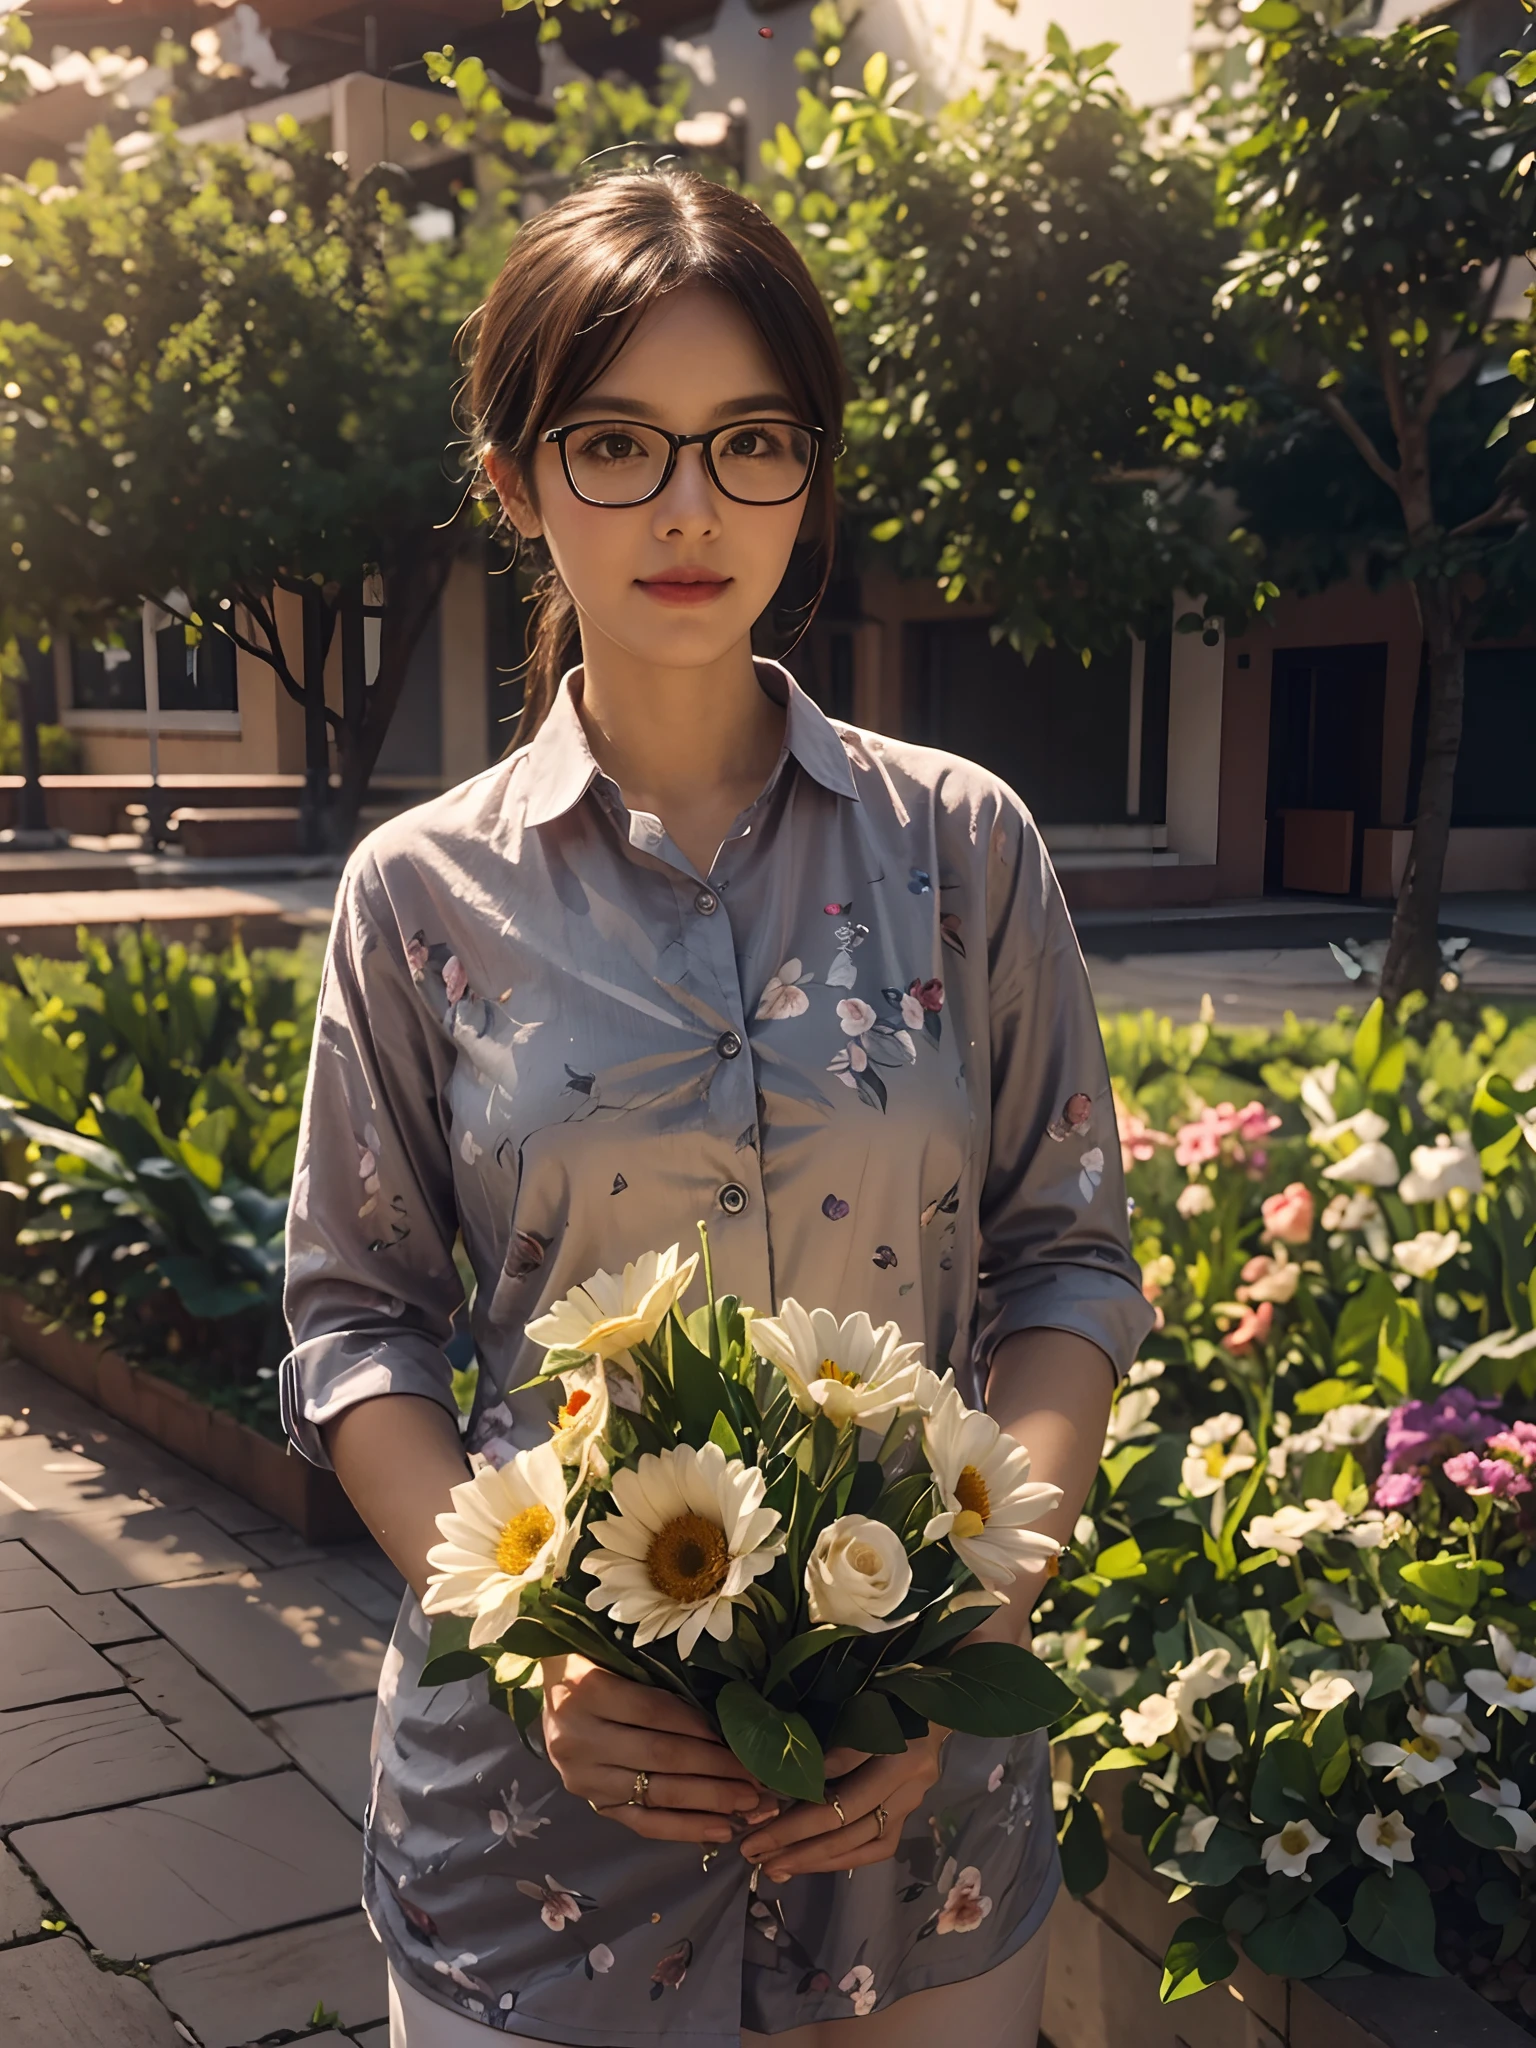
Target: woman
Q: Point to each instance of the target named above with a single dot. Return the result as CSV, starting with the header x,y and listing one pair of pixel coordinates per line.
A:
x,y
629,977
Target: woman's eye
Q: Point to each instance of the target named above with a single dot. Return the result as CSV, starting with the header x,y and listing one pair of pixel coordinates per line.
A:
x,y
751,441
610,448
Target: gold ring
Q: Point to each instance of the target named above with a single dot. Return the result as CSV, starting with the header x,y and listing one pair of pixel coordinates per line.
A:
x,y
881,1817
837,1808
642,1785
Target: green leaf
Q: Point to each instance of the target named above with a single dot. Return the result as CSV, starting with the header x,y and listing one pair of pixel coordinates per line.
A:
x,y
1227,1852
449,1656
1303,1943
1394,1918
868,1722
1084,1853
1121,1760
1367,1047
1454,1581
798,1648
1121,1561
1198,1956
721,1433
1285,1783
1475,1821
1391,1668
699,1387
990,1689
779,1749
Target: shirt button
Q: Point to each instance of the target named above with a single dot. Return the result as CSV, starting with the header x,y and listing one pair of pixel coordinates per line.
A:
x,y
733,1198
728,1045
706,903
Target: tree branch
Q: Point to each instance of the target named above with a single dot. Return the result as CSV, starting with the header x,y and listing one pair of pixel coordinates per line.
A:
x,y
1390,367
1370,454
1452,368
1506,509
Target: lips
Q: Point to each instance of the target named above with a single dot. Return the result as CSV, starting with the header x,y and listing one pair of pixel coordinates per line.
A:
x,y
684,586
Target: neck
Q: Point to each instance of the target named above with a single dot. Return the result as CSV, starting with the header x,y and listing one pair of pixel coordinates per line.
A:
x,y
668,734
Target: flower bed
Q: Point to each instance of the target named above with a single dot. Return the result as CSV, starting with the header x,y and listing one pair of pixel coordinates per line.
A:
x,y
1297,1609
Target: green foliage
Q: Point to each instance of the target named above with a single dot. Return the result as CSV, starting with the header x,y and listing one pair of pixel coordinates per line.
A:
x,y
149,1109
1006,275
58,749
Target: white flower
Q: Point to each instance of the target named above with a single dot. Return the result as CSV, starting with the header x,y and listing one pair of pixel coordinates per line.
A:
x,y
1372,1165
1428,1755
1351,1624
1434,1170
986,1495
515,1821
1351,1423
582,1422
1195,1200
1375,1530
1453,1707
1209,1462
1317,1092
506,1529
1131,1416
1424,1255
1514,1683
1351,1212
1288,1529
1198,1680
1279,1284
1330,1689
1151,1722
1387,1837
600,1959
965,1906
1505,1801
1288,1853
855,1016
859,1985
1366,1126
1145,1370
557,1903
690,1536
1194,1831
783,996
609,1313
857,1574
848,1371
1090,1171
1222,1744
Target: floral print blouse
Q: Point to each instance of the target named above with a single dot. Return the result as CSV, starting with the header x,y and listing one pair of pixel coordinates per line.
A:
x,y
863,1048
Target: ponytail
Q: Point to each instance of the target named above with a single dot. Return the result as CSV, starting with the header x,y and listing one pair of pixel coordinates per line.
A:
x,y
552,648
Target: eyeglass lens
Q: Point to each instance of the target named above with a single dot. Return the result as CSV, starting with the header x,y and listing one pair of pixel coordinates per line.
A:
x,y
758,462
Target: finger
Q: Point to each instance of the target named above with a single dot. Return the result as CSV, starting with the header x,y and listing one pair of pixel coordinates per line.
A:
x,y
803,1824
615,1787
841,1761
667,1824
641,1750
621,1700
820,1859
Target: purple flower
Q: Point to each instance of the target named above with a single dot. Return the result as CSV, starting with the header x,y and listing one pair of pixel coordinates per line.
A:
x,y
1398,1489
1518,1442
1486,1475
1421,1430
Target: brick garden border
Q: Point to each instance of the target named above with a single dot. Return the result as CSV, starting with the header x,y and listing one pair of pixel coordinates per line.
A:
x,y
266,1473
1106,1965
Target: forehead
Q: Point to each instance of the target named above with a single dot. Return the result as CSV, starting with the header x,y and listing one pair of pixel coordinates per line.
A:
x,y
693,347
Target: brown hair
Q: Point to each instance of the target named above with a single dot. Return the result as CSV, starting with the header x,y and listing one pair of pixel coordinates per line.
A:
x,y
576,280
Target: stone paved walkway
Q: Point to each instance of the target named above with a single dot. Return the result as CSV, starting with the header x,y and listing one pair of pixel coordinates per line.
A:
x,y
185,1702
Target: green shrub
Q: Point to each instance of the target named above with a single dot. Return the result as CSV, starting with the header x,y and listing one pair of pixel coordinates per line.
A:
x,y
58,749
150,1100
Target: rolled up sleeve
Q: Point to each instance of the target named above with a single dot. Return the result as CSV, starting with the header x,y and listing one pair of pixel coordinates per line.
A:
x,y
1055,1242
371,1285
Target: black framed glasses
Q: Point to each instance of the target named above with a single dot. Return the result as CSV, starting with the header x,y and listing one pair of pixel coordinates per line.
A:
x,y
624,462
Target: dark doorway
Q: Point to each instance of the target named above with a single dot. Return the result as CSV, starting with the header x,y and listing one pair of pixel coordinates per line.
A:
x,y
1326,706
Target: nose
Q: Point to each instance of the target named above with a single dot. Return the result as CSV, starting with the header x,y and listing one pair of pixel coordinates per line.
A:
x,y
689,507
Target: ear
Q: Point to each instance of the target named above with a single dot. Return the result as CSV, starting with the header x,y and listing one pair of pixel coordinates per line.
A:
x,y
507,481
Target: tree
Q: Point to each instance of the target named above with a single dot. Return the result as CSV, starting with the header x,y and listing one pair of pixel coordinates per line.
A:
x,y
1006,274
228,372
1382,199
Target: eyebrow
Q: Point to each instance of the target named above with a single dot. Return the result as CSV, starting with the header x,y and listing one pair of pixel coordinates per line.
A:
x,y
637,408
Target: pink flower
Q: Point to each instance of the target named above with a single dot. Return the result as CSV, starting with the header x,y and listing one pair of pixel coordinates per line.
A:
x,y
964,1908
1517,1442
556,1904
1256,1268
1398,1489
855,1016
1138,1140
929,993
1289,1216
672,1969
1254,1122
1486,1475
1253,1329
455,980
859,1984
1226,1132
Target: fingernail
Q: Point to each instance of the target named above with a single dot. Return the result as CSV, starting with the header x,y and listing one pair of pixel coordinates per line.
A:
x,y
779,1876
717,1834
760,1815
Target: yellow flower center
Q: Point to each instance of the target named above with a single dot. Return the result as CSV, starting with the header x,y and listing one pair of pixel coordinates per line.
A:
x,y
688,1559
1294,1838
975,1503
1215,1460
1424,1746
1518,1684
523,1538
831,1370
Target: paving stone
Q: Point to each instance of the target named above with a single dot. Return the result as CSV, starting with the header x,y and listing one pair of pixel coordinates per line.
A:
x,y
99,1617
140,1546
370,1559
41,1658
217,1865
280,1546
362,1590
78,1754
198,1712
247,1989
20,1907
270,1640
53,1996
330,1744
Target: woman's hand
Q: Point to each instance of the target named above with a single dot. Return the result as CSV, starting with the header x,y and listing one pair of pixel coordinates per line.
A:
x,y
601,1732
822,1838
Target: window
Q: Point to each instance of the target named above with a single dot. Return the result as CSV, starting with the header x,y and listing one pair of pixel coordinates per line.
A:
x,y
190,686
107,678
195,675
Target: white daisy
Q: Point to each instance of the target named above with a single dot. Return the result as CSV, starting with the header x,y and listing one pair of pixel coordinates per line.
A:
x,y
507,1529
690,1536
982,1480
848,1371
1218,1450
1514,1683
610,1312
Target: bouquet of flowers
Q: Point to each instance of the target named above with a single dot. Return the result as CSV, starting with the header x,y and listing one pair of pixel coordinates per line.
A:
x,y
790,1521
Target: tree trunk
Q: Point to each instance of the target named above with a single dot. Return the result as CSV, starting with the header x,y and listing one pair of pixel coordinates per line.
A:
x,y
315,806
31,804
412,590
1413,954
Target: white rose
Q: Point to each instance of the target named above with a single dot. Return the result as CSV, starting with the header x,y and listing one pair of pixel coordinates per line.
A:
x,y
858,1572
1195,1200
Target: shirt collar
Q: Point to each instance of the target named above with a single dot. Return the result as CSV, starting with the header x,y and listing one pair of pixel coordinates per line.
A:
x,y
560,767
